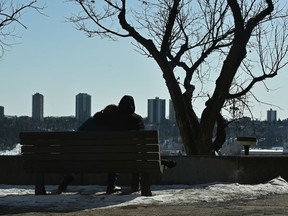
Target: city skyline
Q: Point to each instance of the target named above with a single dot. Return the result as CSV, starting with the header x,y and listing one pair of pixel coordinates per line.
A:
x,y
53,58
83,107
156,109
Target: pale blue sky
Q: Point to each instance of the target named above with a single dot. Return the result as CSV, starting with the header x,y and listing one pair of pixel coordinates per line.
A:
x,y
54,59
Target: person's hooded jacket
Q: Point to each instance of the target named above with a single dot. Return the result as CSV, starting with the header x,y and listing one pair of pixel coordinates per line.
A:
x,y
127,119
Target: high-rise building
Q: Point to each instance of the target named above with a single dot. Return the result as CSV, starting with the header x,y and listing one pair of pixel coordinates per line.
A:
x,y
172,117
83,107
1,113
156,110
38,107
271,115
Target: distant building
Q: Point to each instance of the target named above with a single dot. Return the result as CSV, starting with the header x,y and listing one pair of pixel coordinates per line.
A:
x,y
271,115
38,107
156,110
172,117
83,107
1,113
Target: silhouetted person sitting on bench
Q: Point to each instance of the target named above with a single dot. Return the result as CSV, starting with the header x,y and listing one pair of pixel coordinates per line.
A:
x,y
101,121
115,118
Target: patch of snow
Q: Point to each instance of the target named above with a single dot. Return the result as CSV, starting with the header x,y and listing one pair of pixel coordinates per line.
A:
x,y
88,197
15,151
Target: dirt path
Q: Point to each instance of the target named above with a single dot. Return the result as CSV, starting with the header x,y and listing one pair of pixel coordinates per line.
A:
x,y
271,205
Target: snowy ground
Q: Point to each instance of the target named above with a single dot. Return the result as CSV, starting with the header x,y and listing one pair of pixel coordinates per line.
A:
x,y
91,197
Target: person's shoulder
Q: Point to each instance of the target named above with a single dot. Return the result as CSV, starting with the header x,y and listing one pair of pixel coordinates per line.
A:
x,y
85,124
137,116
98,115
138,121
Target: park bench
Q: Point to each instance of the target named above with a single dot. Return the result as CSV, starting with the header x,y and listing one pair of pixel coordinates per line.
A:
x,y
91,152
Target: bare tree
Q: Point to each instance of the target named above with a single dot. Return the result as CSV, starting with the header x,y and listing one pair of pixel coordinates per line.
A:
x,y
220,48
10,14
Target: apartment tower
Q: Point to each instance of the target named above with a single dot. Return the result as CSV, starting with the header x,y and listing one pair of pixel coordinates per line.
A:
x,y
38,107
156,110
271,115
83,107
1,113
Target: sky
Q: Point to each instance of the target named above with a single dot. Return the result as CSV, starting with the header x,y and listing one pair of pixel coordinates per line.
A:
x,y
54,59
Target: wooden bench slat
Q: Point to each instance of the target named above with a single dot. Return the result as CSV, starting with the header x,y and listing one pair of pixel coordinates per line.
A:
x,y
90,149
91,166
89,135
95,157
76,142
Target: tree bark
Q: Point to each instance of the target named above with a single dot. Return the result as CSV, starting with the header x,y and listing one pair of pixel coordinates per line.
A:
x,y
181,107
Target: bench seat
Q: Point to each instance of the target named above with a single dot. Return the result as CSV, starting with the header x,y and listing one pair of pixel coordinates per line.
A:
x,y
91,152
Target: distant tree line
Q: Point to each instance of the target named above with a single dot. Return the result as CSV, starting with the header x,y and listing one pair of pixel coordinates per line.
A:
x,y
269,134
10,127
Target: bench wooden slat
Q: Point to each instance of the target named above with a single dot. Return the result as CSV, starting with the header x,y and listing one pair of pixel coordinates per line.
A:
x,y
87,135
76,142
90,149
88,138
90,166
91,134
93,157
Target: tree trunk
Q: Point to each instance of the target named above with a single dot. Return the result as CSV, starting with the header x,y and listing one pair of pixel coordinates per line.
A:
x,y
181,111
215,103
182,116
220,134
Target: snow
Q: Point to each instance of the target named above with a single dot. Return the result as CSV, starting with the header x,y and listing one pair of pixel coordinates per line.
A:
x,y
89,197
14,151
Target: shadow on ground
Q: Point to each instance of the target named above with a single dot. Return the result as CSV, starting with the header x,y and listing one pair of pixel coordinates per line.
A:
x,y
67,202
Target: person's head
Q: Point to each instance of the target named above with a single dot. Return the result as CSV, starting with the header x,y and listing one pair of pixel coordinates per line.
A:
x,y
126,104
110,109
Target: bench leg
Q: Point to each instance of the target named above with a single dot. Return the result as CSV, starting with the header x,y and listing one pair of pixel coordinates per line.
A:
x,y
145,185
39,184
135,182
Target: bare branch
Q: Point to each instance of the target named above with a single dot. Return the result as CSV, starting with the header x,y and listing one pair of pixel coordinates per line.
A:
x,y
169,26
11,12
252,83
206,42
103,21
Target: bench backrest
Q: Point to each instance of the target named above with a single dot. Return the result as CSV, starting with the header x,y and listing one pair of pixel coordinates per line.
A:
x,y
83,151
